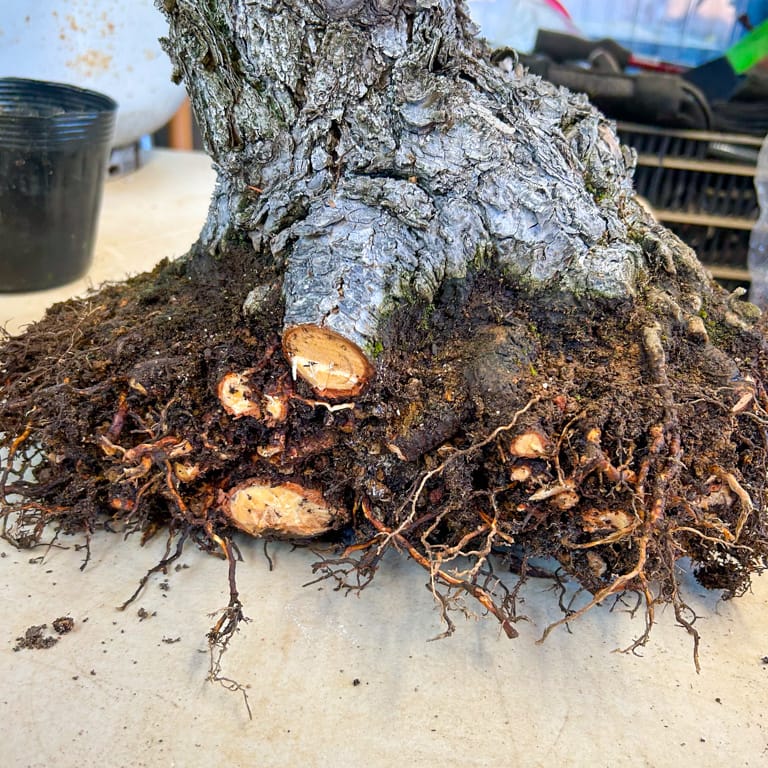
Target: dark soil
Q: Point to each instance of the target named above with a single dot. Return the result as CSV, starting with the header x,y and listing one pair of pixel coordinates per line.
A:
x,y
63,625
37,638
110,419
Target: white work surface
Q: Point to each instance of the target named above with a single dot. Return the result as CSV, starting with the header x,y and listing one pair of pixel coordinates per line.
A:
x,y
117,692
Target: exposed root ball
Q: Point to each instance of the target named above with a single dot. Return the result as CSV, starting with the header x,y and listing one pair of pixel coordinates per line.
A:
x,y
616,442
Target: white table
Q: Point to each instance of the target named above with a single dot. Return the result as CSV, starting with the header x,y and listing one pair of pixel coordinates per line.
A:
x,y
117,692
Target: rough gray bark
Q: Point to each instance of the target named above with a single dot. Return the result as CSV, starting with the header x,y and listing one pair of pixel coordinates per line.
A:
x,y
373,151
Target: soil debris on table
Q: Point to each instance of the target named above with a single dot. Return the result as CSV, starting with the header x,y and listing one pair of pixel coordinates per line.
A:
x,y
37,638
63,625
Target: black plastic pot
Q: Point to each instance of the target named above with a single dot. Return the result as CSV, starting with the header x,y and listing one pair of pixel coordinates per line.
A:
x,y
54,149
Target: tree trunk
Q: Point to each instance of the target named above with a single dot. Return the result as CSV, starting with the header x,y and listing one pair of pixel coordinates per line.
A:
x,y
371,153
489,348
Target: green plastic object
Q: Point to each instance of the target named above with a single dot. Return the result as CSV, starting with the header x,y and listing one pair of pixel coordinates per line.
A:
x,y
749,50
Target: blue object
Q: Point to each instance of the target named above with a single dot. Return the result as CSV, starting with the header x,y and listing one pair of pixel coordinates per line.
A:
x,y
686,32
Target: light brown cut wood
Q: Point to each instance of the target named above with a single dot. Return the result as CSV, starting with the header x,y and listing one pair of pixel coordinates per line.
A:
x,y
236,396
286,510
529,445
331,364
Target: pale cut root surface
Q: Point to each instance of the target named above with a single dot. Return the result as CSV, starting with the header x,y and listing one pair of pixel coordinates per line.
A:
x,y
332,365
286,510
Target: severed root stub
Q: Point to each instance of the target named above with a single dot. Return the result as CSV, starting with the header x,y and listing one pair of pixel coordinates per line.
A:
x,y
236,396
287,510
331,364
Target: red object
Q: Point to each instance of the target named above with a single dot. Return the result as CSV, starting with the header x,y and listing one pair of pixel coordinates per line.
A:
x,y
559,7
655,65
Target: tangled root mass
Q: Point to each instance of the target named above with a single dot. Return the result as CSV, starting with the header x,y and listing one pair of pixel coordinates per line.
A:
x,y
496,431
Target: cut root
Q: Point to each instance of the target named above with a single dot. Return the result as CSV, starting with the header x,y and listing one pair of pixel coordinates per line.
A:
x,y
332,365
236,396
287,510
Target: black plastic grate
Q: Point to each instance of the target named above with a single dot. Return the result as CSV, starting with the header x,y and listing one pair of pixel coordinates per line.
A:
x,y
701,185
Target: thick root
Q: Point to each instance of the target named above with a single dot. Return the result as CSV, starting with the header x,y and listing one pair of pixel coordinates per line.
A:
x,y
332,365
